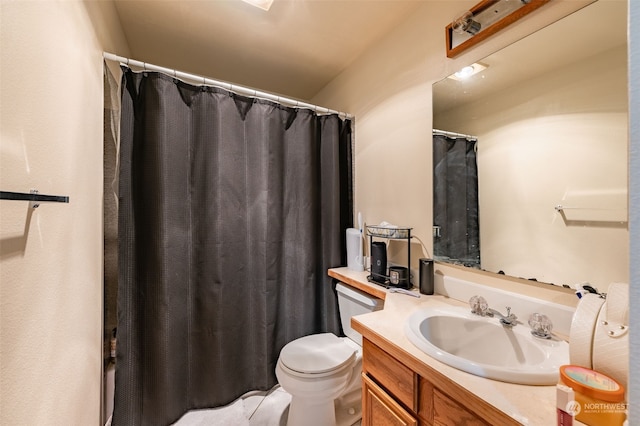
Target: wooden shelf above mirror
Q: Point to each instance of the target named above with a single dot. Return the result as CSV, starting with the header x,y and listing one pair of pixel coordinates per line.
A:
x,y
484,14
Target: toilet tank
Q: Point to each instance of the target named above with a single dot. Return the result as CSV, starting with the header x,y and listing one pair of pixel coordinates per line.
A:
x,y
353,302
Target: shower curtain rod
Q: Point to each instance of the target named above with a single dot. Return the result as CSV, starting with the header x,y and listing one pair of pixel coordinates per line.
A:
x,y
454,135
241,90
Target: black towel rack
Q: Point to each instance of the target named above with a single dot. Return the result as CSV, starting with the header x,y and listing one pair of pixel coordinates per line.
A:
x,y
34,197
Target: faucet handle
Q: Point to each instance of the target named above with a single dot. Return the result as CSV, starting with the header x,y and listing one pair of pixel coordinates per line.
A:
x,y
479,305
541,325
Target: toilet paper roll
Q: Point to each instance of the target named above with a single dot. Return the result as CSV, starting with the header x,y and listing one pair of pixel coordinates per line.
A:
x,y
610,353
582,330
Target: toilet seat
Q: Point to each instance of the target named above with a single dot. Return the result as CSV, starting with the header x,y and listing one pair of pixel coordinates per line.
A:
x,y
317,355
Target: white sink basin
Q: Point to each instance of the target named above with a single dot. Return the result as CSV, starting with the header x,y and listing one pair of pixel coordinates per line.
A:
x,y
485,348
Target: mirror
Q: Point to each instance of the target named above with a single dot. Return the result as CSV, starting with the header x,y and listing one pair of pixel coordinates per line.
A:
x,y
550,114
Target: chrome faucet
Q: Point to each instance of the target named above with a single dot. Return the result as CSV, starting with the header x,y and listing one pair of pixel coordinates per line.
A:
x,y
508,320
479,306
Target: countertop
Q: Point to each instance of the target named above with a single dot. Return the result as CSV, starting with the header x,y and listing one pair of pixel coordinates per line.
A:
x,y
530,405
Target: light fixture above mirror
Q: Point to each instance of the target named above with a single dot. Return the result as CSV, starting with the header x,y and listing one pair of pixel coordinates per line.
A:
x,y
483,20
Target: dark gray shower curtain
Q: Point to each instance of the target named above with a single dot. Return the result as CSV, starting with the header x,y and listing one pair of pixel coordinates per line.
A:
x,y
231,211
455,200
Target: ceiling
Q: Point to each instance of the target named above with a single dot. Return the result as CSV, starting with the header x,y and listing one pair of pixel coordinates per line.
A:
x,y
298,46
294,49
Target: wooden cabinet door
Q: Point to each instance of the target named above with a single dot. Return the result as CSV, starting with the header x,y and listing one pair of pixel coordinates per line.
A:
x,y
438,409
379,409
398,380
448,412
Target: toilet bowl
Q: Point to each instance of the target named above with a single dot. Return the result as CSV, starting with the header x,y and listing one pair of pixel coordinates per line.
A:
x,y
322,371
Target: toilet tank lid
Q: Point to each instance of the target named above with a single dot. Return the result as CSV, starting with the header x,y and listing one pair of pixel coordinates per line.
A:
x,y
317,353
358,296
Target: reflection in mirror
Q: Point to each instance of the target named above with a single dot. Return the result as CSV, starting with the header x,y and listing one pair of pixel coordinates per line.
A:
x,y
455,198
550,117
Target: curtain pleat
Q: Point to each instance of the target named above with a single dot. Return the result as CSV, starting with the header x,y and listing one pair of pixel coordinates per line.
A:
x,y
231,211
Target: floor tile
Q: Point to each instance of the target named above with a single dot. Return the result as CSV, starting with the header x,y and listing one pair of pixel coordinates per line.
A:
x,y
273,410
232,414
252,400
255,408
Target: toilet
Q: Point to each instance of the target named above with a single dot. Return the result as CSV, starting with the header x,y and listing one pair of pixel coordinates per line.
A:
x,y
322,372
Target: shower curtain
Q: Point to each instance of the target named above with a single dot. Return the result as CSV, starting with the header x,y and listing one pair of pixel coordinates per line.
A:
x,y
231,210
455,200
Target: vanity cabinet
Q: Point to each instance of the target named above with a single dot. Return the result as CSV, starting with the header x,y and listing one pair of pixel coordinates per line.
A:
x,y
380,409
395,394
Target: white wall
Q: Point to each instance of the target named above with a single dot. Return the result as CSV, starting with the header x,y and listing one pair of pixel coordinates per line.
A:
x,y
51,258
